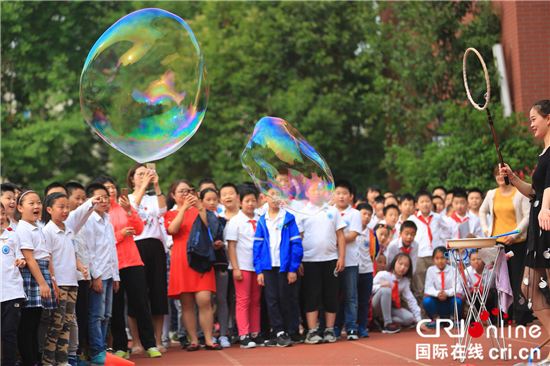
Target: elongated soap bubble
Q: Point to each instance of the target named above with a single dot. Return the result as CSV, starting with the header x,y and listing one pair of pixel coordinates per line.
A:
x,y
285,167
144,87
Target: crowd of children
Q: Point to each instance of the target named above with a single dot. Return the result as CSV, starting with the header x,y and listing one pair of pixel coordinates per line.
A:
x,y
77,273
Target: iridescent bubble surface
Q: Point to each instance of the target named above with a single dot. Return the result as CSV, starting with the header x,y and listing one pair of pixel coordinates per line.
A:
x,y
285,167
144,86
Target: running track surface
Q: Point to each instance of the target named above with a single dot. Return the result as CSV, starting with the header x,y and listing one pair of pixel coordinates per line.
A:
x,y
379,349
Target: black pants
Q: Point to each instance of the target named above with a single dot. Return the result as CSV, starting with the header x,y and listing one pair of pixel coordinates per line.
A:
x,y
132,282
277,296
516,266
11,316
81,311
153,257
27,336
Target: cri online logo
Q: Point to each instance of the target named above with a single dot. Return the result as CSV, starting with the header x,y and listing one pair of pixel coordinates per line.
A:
x,y
475,329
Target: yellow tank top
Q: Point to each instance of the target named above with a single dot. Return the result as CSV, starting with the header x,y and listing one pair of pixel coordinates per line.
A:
x,y
504,214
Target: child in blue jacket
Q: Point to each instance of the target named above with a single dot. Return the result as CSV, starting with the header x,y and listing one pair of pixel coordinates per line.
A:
x,y
278,254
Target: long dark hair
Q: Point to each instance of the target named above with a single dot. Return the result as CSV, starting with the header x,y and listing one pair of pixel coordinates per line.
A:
x,y
409,273
131,174
170,202
49,201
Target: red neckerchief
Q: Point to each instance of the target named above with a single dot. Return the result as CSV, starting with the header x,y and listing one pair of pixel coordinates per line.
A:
x,y
478,283
427,223
458,220
395,294
442,280
253,222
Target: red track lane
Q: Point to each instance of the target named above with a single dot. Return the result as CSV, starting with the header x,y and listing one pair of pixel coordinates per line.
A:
x,y
379,349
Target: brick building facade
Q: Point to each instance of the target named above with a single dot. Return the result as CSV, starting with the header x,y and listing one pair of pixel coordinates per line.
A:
x,y
526,45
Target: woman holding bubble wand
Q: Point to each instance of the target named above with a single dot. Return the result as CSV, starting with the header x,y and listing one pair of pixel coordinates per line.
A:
x,y
534,291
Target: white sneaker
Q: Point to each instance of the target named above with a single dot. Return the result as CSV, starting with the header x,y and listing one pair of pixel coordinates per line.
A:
x,y
224,342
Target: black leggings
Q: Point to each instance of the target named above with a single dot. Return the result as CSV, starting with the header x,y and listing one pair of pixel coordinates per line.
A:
x,y
132,282
27,336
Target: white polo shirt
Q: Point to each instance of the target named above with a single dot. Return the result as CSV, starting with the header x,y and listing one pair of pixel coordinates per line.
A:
x,y
439,229
320,243
396,247
363,244
275,227
473,224
434,286
241,230
31,237
101,241
352,218
11,286
151,214
63,253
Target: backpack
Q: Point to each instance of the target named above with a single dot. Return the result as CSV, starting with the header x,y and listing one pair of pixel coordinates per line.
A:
x,y
200,252
221,254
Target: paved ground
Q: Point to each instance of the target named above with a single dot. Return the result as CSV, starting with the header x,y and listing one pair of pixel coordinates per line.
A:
x,y
379,349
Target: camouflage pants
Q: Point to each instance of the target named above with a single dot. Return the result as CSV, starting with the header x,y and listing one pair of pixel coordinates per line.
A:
x,y
56,347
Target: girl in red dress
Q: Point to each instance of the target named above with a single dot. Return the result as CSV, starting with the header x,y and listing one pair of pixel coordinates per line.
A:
x,y
185,283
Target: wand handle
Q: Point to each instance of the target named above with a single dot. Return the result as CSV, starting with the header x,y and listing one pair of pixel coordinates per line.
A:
x,y
490,119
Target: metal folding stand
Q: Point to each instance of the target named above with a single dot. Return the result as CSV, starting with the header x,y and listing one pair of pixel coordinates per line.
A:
x,y
476,296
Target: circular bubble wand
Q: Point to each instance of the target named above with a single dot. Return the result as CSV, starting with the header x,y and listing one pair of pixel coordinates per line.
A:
x,y
487,98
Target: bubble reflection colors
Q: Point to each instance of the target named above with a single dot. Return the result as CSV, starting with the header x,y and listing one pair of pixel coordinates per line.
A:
x,y
285,167
144,86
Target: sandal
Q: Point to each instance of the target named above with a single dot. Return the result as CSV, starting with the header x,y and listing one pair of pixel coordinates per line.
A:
x,y
161,348
214,347
193,347
137,350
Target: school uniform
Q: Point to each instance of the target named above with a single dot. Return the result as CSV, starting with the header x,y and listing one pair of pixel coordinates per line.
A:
x,y
386,301
364,282
62,242
441,280
277,251
432,232
320,285
347,309
241,229
32,238
13,224
396,247
12,294
454,222
100,238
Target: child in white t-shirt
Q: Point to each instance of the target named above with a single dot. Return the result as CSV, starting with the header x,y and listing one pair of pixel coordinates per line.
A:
x,y
366,268
405,243
324,258
240,238
11,289
347,309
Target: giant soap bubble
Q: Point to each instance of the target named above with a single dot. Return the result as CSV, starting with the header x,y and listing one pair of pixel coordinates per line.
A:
x,y
144,87
285,167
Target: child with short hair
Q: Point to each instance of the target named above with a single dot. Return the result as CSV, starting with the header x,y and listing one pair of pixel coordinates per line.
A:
x,y
407,204
384,235
60,227
366,268
388,288
378,216
461,221
474,277
347,310
209,199
240,239
439,204
324,257
405,243
390,200
103,267
391,216
278,255
381,262
439,300
9,202
77,196
11,289
229,198
373,192
475,199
